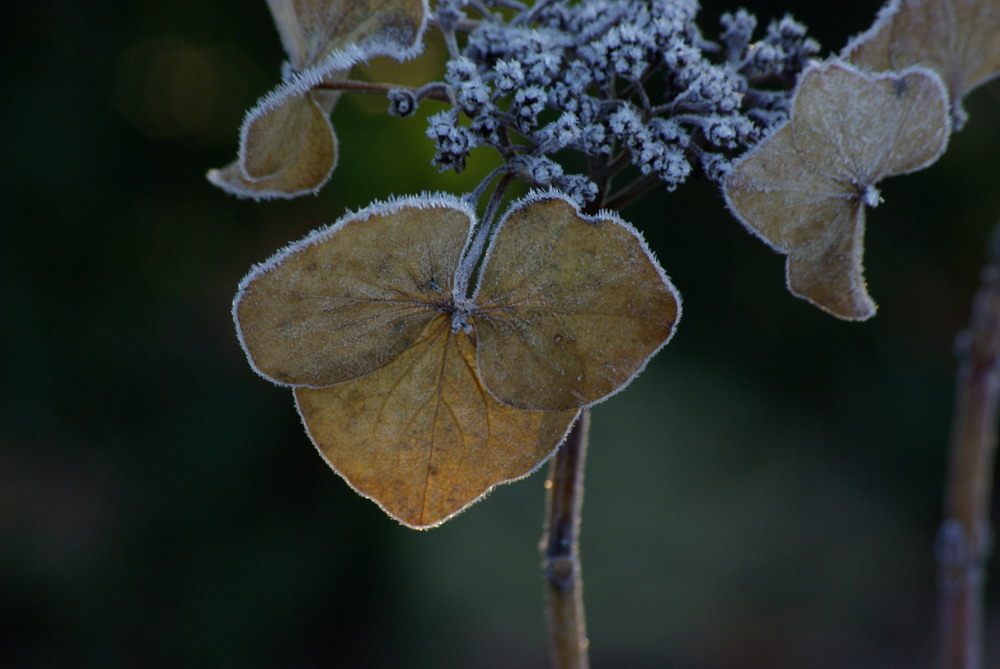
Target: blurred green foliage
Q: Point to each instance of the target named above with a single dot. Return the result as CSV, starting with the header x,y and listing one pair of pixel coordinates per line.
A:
x,y
765,495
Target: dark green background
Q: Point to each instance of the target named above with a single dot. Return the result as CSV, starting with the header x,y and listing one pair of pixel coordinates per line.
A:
x,y
765,495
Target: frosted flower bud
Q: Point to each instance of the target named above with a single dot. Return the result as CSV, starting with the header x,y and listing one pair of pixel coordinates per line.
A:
x,y
402,102
509,76
538,170
486,127
473,97
738,31
578,187
543,66
594,139
787,29
460,70
452,142
559,134
528,104
629,61
668,131
721,132
715,166
673,167
625,122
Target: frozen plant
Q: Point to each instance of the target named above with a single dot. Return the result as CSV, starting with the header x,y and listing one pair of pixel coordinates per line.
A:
x,y
436,347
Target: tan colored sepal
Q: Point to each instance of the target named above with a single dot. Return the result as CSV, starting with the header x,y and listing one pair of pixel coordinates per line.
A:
x,y
424,397
311,30
287,145
287,152
349,298
804,188
570,308
958,39
421,436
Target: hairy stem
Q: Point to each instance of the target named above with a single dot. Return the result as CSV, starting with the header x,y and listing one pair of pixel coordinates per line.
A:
x,y
561,551
352,86
964,539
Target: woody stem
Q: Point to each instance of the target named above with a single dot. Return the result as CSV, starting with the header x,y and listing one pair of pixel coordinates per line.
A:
x,y
560,548
377,88
965,538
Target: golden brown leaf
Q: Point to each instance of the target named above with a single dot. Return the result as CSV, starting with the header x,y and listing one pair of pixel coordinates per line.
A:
x,y
577,301
370,321
289,151
312,29
350,297
958,39
804,188
421,436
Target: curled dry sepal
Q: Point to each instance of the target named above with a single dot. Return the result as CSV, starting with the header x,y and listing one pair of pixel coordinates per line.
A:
x,y
287,143
804,189
876,113
958,39
429,364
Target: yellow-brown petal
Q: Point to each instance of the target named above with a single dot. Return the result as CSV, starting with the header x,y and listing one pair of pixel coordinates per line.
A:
x,y
570,307
312,29
349,298
286,152
803,189
421,436
958,39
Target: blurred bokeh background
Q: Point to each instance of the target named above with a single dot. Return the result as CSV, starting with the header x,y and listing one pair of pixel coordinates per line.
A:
x,y
765,495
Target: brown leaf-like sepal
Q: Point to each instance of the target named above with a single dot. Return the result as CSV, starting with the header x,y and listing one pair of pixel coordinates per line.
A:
x,y
421,436
958,39
422,397
287,144
804,188
576,300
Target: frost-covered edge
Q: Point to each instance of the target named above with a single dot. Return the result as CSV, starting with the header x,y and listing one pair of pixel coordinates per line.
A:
x,y
324,233
818,66
478,498
300,84
885,14
871,76
604,215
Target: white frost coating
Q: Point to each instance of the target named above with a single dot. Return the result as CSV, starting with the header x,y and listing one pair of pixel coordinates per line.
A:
x,y
322,234
481,496
871,76
214,176
885,14
300,83
339,60
604,215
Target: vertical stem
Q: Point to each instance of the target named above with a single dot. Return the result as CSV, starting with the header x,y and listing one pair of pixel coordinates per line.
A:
x,y
561,551
964,539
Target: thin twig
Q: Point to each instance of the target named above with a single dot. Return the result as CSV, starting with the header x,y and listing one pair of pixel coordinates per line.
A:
x,y
632,192
560,547
528,16
964,540
352,86
472,256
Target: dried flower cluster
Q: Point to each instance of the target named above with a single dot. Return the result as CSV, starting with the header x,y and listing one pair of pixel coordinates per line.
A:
x,y
618,81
